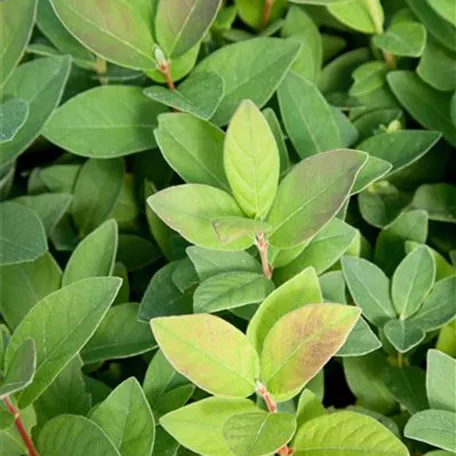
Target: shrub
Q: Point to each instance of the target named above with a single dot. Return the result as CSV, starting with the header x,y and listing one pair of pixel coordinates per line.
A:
x,y
227,228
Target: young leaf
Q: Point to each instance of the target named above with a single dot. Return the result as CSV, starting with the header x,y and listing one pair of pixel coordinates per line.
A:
x,y
15,36
258,433
242,67
105,122
308,119
369,287
347,433
438,309
435,427
22,235
406,39
200,94
231,365
125,37
127,420
40,83
408,386
72,434
403,334
14,113
193,148
445,8
251,160
361,341
194,221
372,171
301,290
179,27
119,335
94,256
229,290
186,424
92,204
250,11
312,194
209,263
437,200
301,343
61,324
23,285
230,229
412,281
20,370
441,381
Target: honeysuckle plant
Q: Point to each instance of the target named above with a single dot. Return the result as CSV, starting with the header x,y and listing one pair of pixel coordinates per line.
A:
x,y
227,227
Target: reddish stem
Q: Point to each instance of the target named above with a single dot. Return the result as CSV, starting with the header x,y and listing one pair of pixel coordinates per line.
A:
x,y
262,246
266,13
165,69
20,427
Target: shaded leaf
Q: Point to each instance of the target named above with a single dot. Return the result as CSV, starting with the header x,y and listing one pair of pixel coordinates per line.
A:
x,y
403,334
13,115
437,200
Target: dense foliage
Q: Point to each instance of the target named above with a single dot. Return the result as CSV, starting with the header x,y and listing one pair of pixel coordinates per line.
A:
x,y
227,228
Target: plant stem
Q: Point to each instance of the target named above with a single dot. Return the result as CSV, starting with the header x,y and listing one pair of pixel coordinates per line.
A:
x,y
272,408
400,359
165,69
20,427
266,13
101,68
262,247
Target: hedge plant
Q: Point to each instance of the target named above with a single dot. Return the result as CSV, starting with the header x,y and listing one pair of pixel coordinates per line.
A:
x,y
227,228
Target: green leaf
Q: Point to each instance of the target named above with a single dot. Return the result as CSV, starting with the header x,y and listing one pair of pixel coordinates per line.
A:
x,y
412,281
60,178
127,420
231,365
173,400
369,123
251,160
194,222
105,122
22,236
403,334
50,207
229,290
372,171
66,394
276,129
20,370
362,375
441,381
14,113
193,148
400,148
438,309
209,263
427,106
124,38
299,213
94,256
61,324
301,343
136,252
445,8
162,297
243,65
258,433
435,427
15,36
39,83
199,95
437,200
368,77
250,11
322,252
230,229
406,39
309,407
72,434
361,341
23,285
408,386
188,425
437,67
440,29
92,203
179,27
308,118
364,16
301,290
119,335
347,433
369,288
389,249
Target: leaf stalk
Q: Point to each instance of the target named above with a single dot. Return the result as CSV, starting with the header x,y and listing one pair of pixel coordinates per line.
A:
x,y
262,246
